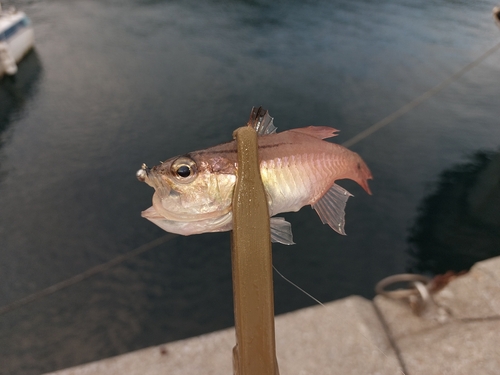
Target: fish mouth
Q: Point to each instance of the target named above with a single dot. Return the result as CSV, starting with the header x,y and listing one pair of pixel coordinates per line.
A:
x,y
216,224
160,209
163,190
142,174
151,214
158,212
153,179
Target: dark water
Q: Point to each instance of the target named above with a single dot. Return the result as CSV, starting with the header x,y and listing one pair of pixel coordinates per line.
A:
x,y
113,84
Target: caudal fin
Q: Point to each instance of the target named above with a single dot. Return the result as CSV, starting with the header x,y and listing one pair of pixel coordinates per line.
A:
x,y
330,207
362,174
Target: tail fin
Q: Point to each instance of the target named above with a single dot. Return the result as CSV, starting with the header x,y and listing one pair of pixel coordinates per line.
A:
x,y
362,174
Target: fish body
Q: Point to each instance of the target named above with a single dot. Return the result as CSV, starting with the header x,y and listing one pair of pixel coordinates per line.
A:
x,y
193,192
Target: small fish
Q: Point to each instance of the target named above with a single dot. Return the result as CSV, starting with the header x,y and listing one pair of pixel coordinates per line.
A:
x,y
193,192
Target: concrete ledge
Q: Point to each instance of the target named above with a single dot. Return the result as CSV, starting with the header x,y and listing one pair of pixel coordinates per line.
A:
x,y
353,336
344,337
477,295
466,341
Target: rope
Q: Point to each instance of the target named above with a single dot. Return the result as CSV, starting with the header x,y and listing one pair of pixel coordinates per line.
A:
x,y
426,95
86,274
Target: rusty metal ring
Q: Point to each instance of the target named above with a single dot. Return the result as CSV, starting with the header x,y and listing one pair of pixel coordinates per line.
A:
x,y
381,286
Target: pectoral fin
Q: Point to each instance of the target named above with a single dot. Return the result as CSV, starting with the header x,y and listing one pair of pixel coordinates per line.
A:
x,y
330,208
281,231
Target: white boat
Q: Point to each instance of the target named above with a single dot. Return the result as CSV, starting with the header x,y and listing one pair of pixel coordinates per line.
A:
x,y
16,39
496,14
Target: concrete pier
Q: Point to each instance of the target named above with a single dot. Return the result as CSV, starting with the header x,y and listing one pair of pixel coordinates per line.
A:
x,y
459,334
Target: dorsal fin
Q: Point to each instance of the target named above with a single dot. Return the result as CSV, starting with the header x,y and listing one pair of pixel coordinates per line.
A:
x,y
320,132
261,121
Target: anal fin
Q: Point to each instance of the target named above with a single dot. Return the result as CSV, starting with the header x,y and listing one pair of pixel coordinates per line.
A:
x,y
281,231
330,208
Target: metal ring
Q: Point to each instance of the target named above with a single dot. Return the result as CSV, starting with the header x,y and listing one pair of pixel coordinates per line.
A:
x,y
423,291
400,293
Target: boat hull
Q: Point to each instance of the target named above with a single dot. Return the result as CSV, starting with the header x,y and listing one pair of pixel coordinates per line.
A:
x,y
16,45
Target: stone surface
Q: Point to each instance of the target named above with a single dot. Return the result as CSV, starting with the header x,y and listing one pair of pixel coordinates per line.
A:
x,y
454,348
475,294
349,337
401,320
343,337
466,342
207,354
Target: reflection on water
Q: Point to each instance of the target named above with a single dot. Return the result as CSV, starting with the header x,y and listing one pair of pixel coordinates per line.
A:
x,y
16,90
459,223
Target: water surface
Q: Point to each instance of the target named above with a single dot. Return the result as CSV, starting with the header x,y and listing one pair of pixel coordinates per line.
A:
x,y
113,84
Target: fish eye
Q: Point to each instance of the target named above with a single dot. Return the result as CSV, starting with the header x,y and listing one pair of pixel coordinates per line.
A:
x,y
184,169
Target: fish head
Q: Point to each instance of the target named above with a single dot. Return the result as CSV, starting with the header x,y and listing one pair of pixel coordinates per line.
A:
x,y
190,188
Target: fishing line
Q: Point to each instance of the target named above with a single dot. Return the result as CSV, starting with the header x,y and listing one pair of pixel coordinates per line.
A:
x,y
415,102
298,287
86,274
403,369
